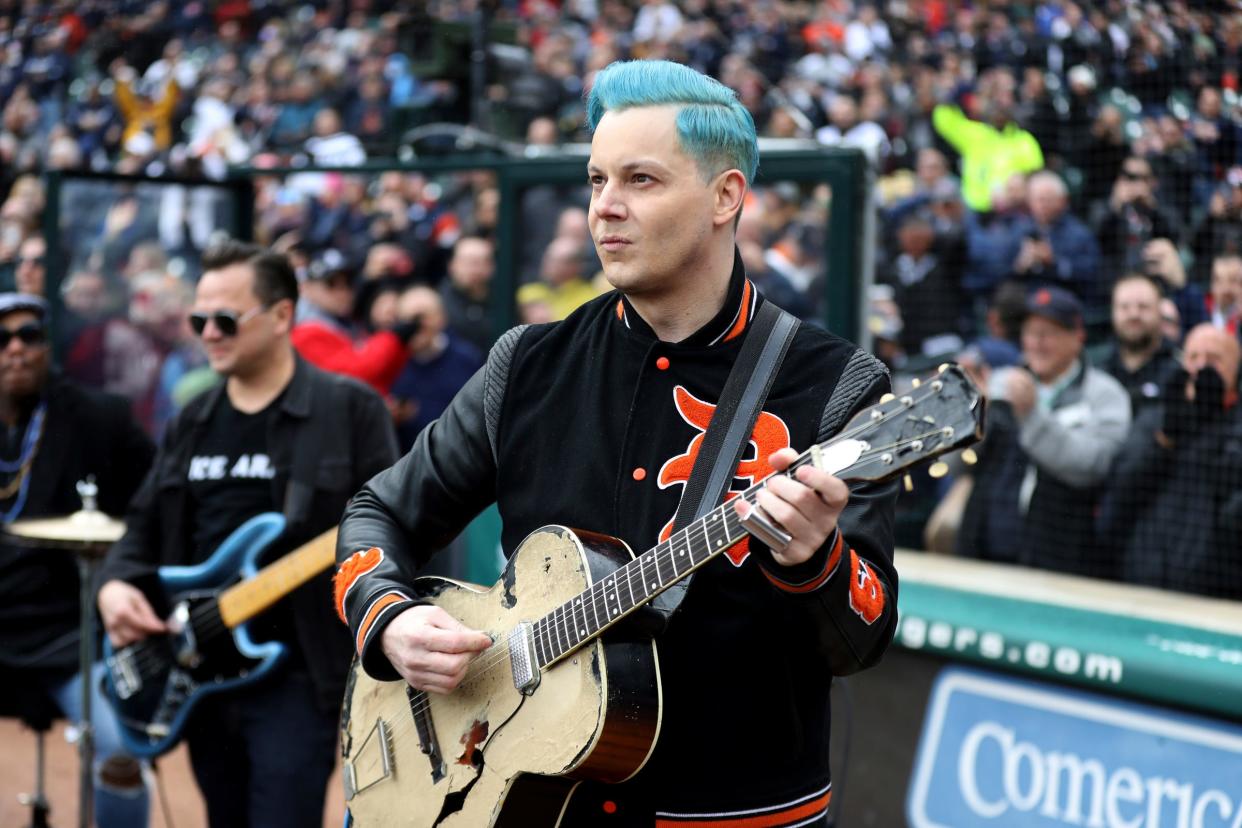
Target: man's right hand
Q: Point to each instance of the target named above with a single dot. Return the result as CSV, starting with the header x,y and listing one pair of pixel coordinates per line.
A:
x,y
431,649
127,615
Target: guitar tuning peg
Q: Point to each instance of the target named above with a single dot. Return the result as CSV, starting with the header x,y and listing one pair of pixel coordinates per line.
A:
x,y
938,469
908,482
888,398
969,457
916,382
944,366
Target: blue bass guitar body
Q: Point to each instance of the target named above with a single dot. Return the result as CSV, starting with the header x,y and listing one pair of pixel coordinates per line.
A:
x,y
154,684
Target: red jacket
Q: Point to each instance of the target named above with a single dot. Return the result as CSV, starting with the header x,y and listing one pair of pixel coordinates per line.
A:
x,y
375,360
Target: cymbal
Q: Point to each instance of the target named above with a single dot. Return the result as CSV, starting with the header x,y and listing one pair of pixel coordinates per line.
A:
x,y
80,528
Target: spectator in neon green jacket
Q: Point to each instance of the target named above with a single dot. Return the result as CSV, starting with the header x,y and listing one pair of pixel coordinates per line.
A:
x,y
992,148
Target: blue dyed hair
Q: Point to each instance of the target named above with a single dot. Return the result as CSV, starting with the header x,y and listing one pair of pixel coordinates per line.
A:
x,y
713,128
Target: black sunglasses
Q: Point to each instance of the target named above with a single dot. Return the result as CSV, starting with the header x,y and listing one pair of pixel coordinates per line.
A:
x,y
30,334
227,321
1130,175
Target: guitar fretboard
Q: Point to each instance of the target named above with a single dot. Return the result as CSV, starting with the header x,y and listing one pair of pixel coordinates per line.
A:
x,y
247,599
637,582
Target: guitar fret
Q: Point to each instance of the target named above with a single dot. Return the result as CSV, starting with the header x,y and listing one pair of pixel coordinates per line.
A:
x,y
616,595
582,630
629,583
562,633
595,609
539,651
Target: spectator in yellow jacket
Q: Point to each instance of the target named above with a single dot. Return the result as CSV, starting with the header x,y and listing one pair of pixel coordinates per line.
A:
x,y
994,147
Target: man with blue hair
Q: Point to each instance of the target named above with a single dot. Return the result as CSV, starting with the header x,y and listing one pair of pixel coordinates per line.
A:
x,y
747,662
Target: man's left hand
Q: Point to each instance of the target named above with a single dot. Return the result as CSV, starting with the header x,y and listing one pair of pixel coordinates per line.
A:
x,y
806,506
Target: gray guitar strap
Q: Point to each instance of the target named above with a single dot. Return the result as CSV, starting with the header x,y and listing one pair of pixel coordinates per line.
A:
x,y
730,428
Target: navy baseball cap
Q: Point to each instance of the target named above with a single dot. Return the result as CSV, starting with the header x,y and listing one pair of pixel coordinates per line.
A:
x,y
1057,304
10,302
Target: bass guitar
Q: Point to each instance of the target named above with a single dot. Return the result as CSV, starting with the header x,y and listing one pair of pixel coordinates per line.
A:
x,y
153,684
562,696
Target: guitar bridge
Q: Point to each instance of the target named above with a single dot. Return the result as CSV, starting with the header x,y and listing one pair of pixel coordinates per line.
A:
x,y
522,657
377,742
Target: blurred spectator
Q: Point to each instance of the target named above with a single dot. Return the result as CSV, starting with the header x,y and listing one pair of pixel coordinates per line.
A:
x,y
1220,228
1174,507
1162,261
1052,246
989,238
1134,217
925,277
1224,301
1053,427
993,147
325,336
296,118
1170,320
331,146
846,129
30,273
125,355
146,111
561,287
466,293
439,364
1140,357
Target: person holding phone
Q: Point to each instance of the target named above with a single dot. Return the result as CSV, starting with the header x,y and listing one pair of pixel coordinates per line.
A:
x,y
1053,428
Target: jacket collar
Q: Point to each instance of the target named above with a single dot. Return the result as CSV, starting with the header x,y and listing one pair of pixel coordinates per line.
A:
x,y
295,400
735,315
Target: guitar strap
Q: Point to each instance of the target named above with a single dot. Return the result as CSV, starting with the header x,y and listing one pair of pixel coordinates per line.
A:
x,y
730,428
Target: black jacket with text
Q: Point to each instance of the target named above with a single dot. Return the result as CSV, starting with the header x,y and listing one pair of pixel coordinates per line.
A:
x,y
594,423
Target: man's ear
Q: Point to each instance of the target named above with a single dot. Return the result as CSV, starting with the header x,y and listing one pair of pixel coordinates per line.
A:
x,y
730,189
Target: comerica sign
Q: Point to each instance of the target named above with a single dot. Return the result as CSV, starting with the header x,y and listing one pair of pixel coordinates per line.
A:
x,y
1000,752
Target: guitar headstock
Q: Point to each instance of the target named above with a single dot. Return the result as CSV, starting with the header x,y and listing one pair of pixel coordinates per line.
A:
x,y
938,415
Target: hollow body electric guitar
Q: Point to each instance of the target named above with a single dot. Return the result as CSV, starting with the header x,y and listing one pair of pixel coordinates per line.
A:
x,y
153,684
563,694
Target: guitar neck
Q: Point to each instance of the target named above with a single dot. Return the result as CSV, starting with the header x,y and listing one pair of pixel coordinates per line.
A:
x,y
638,582
243,601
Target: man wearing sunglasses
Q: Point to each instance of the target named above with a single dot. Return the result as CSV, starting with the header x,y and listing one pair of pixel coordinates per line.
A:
x,y
54,433
277,435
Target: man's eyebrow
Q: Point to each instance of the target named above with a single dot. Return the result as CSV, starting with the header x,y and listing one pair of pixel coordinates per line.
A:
x,y
632,165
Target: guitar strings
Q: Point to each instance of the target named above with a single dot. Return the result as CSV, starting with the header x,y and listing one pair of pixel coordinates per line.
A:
x,y
146,657
481,666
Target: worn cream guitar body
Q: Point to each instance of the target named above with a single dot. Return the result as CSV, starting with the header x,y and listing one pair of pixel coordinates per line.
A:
x,y
496,756
562,695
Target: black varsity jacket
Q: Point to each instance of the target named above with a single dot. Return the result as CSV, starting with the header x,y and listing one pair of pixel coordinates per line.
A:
x,y
594,423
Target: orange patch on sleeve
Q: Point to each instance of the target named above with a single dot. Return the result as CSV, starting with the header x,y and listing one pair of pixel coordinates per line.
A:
x,y
385,601
866,591
355,566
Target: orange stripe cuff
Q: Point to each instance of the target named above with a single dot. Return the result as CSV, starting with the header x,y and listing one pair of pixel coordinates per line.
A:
x,y
834,558
772,820
383,602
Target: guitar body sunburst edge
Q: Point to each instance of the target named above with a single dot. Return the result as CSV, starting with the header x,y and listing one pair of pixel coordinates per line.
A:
x,y
504,756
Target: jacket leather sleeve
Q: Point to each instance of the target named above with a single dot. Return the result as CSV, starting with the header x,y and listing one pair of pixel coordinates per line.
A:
x,y
848,588
406,513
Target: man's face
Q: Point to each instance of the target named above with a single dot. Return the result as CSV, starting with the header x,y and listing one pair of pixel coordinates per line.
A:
x,y
1136,313
1226,283
651,211
1206,347
1045,202
23,366
472,265
259,332
1048,348
334,294
31,270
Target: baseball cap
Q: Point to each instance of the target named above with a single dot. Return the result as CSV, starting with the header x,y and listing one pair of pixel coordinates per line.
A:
x,y
329,263
1057,304
10,302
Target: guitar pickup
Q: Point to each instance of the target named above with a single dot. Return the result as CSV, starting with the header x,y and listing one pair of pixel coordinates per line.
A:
x,y
522,657
125,676
428,744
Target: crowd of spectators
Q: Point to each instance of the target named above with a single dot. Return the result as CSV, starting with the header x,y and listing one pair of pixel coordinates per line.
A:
x,y
1086,155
